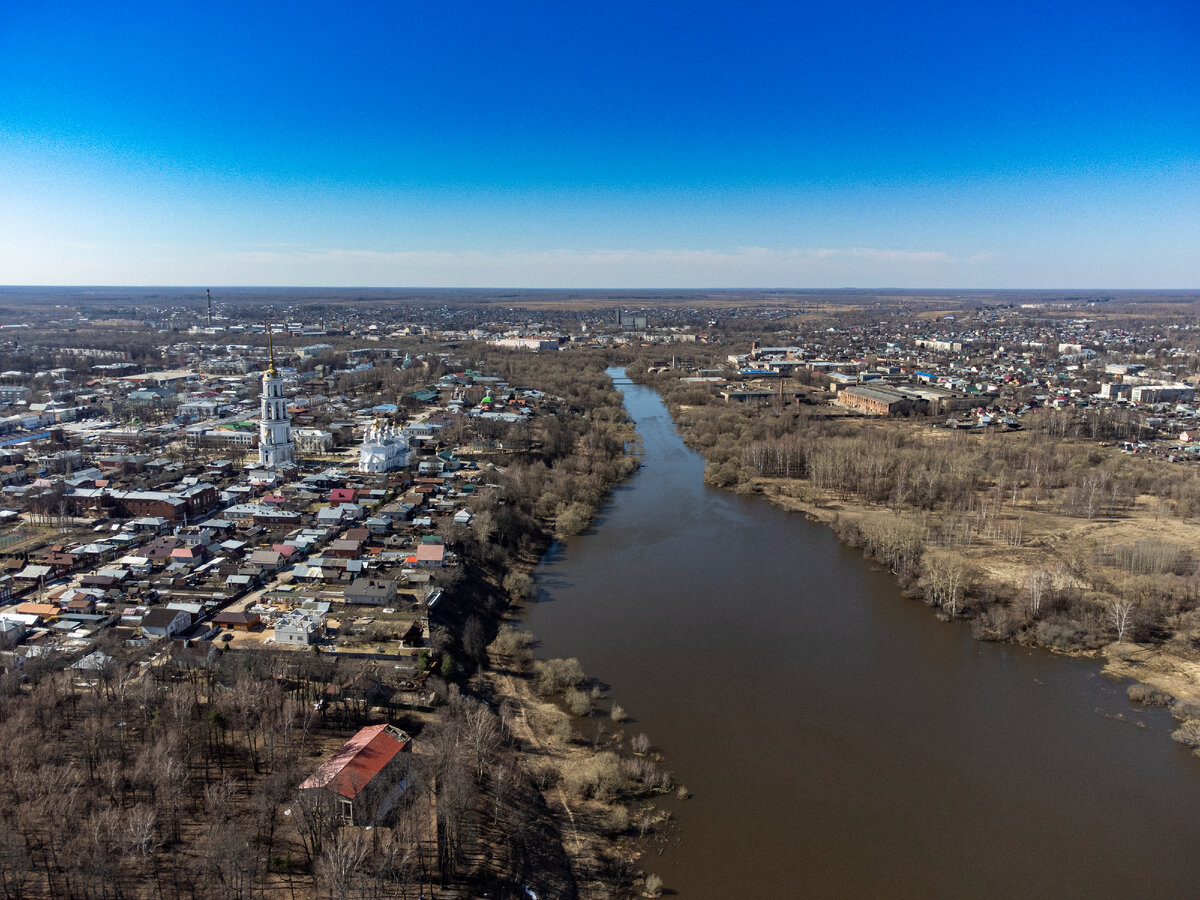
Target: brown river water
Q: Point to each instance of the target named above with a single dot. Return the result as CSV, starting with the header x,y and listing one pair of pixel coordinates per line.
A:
x,y
839,740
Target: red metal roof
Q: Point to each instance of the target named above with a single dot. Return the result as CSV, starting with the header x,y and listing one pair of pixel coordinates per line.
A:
x,y
361,758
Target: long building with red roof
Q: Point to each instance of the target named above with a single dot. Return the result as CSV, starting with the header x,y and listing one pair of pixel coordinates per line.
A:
x,y
366,775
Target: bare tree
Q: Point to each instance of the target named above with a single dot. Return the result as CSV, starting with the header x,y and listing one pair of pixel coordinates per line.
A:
x,y
947,578
341,864
1037,582
481,733
1120,614
318,818
141,830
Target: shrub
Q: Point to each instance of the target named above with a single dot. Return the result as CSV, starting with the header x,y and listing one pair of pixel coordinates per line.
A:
x,y
573,520
1188,734
1067,634
646,774
654,886
1058,634
598,776
519,586
993,624
510,642
555,675
618,820
1148,695
577,702
563,731
1187,709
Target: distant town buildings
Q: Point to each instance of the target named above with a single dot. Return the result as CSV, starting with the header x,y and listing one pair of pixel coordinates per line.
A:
x,y
527,343
625,320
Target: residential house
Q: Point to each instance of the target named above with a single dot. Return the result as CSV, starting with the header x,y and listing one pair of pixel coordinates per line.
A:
x,y
61,561
32,574
239,621
331,516
299,628
268,560
165,622
342,495
371,592
41,611
431,555
345,549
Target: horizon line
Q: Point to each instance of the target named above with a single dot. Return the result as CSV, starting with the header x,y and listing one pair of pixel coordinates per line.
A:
x,y
365,287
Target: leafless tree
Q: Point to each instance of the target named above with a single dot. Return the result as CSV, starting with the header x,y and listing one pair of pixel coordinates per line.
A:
x,y
141,830
947,578
481,734
342,862
318,817
1037,583
473,639
1120,615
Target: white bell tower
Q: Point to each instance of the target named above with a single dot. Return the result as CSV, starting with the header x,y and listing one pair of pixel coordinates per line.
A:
x,y
275,445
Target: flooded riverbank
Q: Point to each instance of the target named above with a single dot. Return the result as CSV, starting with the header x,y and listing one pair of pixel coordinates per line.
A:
x,y
838,739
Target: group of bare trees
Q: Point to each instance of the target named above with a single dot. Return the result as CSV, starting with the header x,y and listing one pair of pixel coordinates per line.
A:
x,y
131,779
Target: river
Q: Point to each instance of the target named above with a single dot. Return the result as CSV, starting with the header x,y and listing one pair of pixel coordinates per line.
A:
x,y
839,740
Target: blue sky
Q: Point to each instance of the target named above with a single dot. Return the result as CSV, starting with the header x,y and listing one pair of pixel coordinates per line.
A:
x,y
922,144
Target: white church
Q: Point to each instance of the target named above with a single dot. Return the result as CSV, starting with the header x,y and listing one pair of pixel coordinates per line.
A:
x,y
385,448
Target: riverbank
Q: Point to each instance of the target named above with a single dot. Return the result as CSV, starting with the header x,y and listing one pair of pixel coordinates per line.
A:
x,y
1035,540
817,715
597,791
601,813
565,733
1173,667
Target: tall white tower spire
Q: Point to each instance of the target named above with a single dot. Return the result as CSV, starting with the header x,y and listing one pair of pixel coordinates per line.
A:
x,y
275,445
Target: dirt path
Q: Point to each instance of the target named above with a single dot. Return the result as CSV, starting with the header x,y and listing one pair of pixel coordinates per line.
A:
x,y
529,724
517,690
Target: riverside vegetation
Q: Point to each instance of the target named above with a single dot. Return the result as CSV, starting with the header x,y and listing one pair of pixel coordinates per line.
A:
x,y
1042,536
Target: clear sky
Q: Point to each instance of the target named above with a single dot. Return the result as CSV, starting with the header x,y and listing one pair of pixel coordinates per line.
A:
x,y
1053,143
